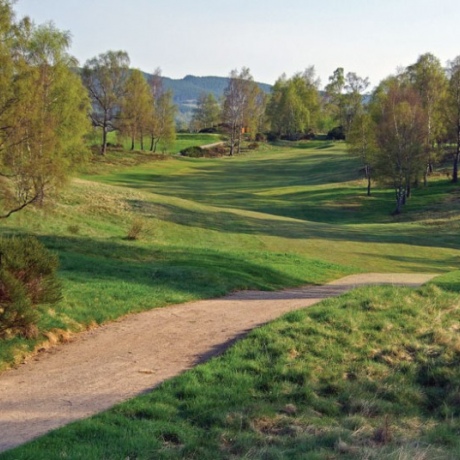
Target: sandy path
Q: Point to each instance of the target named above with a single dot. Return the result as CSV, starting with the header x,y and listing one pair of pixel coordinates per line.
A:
x,y
105,366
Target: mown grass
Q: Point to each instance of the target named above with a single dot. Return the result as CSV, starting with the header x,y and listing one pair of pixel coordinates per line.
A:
x,y
118,158
373,374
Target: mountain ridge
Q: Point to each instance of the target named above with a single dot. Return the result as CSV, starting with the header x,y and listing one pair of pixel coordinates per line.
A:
x,y
188,89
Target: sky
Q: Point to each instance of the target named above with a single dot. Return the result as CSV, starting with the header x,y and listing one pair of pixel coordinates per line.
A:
x,y
211,37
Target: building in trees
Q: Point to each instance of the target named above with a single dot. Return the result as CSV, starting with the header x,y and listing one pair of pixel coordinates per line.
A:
x,y
241,107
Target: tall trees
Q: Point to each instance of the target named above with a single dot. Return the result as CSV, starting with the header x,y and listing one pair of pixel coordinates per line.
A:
x,y
362,143
161,126
164,112
429,79
105,77
43,113
344,95
294,105
240,106
401,123
136,108
453,111
206,114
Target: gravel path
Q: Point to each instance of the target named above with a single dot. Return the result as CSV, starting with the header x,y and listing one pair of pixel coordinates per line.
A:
x,y
105,366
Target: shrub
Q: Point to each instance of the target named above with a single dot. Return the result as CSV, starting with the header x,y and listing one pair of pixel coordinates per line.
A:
x,y
336,134
74,229
28,279
193,152
135,230
253,146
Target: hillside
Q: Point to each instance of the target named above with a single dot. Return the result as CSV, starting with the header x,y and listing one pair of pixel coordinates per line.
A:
x,y
187,90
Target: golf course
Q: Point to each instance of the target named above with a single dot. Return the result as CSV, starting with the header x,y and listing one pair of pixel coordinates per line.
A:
x,y
372,373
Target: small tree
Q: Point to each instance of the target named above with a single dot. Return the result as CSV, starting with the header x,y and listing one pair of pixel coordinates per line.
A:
x,y
206,114
239,107
135,108
105,77
27,281
164,112
401,134
44,116
362,143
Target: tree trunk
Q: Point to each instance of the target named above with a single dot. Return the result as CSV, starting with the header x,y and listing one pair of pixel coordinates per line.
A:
x,y
155,145
152,142
142,141
132,141
104,140
368,177
456,158
400,199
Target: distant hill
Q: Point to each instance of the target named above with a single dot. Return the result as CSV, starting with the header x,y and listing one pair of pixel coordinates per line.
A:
x,y
187,90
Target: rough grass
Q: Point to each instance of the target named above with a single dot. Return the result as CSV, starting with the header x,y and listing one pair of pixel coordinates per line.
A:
x,y
373,374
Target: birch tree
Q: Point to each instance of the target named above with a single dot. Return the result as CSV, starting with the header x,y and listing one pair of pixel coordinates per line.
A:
x,y
44,113
105,78
238,112
136,108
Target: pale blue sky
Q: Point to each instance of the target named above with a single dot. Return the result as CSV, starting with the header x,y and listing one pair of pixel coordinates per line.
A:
x,y
212,37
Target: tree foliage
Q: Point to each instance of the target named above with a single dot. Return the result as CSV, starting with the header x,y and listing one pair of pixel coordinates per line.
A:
x,y
161,126
136,108
428,78
206,114
242,107
452,113
27,280
105,78
43,112
401,123
294,105
344,97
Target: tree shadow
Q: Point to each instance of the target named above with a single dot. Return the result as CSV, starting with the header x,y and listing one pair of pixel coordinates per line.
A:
x,y
236,222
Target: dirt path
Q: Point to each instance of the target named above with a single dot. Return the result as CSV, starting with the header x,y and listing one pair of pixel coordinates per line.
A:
x,y
120,360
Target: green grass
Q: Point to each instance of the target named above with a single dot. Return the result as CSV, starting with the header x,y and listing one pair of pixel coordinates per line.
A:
x,y
183,140
373,374
283,216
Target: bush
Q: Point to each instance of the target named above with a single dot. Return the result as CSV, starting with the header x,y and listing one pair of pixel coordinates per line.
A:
x,y
28,279
336,134
253,146
135,230
193,152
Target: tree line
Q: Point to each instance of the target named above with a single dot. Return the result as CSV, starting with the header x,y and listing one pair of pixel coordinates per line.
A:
x,y
47,106
399,130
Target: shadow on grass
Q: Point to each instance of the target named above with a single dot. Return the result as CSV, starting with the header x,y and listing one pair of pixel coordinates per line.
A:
x,y
198,272
232,222
251,176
